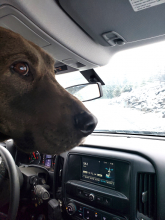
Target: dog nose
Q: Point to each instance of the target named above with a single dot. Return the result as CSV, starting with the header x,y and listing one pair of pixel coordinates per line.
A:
x,y
85,122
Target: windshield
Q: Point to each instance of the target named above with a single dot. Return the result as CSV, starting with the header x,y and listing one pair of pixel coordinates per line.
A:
x,y
133,99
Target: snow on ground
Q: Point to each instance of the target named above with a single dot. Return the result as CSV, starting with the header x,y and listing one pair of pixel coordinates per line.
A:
x,y
142,109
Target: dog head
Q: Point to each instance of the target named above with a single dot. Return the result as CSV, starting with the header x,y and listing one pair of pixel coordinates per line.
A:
x,y
35,110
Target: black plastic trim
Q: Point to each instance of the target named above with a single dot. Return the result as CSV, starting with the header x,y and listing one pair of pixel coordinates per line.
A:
x,y
14,183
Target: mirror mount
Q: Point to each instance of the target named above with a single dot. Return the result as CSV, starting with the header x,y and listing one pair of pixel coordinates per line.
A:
x,y
91,76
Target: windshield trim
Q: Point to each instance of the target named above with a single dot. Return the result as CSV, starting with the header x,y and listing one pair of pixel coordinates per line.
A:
x,y
134,133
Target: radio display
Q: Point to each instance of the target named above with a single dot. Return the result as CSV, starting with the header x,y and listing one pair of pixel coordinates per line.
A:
x,y
99,171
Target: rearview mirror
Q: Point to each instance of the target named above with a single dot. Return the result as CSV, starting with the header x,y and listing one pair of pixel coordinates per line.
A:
x,y
86,92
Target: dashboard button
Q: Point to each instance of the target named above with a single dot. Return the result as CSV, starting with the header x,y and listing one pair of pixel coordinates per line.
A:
x,y
97,216
107,201
80,208
88,218
71,208
79,192
105,218
88,214
86,194
91,197
80,215
99,199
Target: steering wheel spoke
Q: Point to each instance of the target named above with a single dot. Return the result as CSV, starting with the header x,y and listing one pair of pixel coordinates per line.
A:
x,y
3,216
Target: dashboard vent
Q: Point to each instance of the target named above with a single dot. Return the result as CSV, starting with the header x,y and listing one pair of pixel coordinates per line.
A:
x,y
147,194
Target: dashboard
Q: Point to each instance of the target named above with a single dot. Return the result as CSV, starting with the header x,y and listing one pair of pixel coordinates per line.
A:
x,y
36,158
109,177
113,177
104,184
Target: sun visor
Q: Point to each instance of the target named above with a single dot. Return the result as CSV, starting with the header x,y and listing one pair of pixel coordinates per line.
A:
x,y
133,20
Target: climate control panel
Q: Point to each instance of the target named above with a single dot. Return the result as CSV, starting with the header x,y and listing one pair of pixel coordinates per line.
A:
x,y
77,210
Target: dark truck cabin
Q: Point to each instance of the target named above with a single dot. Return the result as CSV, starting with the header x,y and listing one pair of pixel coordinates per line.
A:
x,y
118,172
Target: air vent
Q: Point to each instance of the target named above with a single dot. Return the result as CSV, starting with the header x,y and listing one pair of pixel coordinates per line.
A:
x,y
147,194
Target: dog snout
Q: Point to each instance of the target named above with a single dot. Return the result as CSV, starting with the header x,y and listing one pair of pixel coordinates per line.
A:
x,y
85,122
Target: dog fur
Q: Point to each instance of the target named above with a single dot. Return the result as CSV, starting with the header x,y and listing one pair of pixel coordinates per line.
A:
x,y
35,110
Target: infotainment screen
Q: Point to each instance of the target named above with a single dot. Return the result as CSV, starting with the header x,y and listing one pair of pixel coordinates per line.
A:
x,y
48,160
99,171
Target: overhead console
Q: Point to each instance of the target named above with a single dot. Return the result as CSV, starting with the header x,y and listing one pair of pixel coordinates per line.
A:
x,y
107,185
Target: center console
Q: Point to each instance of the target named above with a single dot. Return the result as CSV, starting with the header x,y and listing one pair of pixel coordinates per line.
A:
x,y
101,184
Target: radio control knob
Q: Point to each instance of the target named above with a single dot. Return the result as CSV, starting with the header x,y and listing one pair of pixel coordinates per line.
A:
x,y
71,208
92,197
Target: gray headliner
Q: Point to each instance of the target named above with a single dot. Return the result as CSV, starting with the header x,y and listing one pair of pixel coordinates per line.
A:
x,y
66,38
102,16
49,17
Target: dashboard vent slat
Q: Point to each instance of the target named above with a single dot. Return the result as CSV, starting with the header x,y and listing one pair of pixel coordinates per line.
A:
x,y
140,193
147,194
145,191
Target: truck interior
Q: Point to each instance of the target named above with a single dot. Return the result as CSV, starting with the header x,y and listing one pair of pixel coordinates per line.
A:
x,y
119,171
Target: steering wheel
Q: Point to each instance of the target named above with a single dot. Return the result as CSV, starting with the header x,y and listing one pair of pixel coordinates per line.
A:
x,y
14,183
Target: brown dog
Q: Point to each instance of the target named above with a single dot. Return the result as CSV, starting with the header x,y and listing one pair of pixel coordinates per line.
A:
x,y
35,110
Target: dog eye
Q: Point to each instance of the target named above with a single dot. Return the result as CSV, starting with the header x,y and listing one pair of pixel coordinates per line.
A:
x,y
21,68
